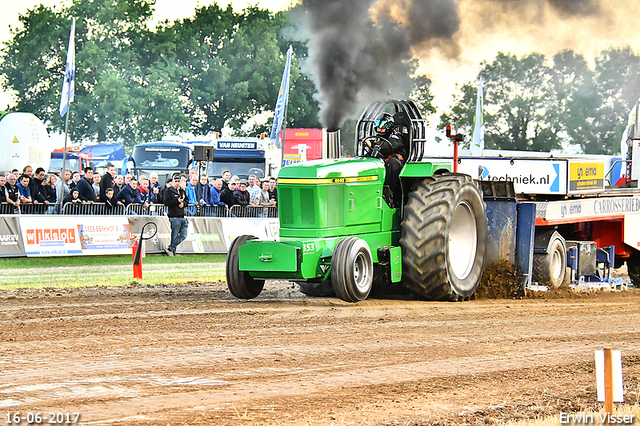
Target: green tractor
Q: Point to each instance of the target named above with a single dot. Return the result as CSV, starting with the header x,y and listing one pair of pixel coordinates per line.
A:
x,y
341,234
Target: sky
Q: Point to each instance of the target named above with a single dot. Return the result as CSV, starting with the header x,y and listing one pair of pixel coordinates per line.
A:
x,y
486,27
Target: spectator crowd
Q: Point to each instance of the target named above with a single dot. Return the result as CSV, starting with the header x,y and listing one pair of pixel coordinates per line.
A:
x,y
37,188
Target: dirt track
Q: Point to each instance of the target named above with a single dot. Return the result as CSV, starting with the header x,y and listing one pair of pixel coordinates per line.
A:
x,y
191,354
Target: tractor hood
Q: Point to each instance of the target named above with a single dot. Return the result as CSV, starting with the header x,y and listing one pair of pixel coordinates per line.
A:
x,y
333,170
333,197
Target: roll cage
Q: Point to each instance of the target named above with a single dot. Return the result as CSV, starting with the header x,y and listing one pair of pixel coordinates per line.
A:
x,y
407,119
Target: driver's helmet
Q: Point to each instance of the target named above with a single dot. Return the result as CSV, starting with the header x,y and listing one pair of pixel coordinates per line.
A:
x,y
383,124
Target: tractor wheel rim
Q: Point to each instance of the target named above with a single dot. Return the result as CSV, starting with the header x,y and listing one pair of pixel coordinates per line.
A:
x,y
361,272
556,265
463,240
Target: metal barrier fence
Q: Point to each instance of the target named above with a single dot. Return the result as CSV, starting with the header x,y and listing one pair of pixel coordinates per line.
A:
x,y
6,208
100,209
208,211
253,211
150,210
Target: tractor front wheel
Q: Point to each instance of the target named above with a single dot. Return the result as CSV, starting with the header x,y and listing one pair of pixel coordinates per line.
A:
x,y
352,269
444,233
240,283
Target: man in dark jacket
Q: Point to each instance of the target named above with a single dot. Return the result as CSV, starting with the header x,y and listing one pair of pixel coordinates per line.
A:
x,y
175,198
242,196
107,182
129,193
35,183
12,192
85,186
227,195
3,195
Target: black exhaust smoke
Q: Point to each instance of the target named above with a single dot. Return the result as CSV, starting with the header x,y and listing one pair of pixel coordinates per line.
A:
x,y
360,51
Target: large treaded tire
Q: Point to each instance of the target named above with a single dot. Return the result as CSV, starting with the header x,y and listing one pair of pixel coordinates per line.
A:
x,y
550,269
444,233
352,269
633,269
240,283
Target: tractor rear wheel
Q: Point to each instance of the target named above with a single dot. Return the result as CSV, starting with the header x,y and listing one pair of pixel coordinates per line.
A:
x,y
240,283
352,269
633,269
550,268
444,232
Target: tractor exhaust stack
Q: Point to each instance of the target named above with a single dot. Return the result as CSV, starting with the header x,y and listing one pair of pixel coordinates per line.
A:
x,y
333,143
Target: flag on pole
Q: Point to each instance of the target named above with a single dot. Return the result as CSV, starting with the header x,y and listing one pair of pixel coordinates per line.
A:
x,y
70,73
477,139
282,102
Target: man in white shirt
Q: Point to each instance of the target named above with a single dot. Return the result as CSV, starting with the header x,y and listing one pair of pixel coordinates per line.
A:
x,y
254,189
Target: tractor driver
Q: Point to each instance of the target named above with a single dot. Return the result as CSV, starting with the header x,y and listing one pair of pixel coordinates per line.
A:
x,y
391,147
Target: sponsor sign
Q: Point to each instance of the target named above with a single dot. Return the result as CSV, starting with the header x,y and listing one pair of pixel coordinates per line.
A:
x,y
237,145
67,236
586,176
529,176
10,238
263,229
289,159
160,241
602,207
204,235
63,236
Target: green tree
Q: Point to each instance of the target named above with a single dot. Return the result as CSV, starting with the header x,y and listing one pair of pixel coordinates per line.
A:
x,y
516,98
577,100
529,106
201,74
421,95
234,65
617,78
460,118
517,105
115,97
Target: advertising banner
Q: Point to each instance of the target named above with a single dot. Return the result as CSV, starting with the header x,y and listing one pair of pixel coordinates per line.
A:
x,y
35,236
63,236
158,242
290,159
529,176
204,235
586,176
580,210
10,238
264,229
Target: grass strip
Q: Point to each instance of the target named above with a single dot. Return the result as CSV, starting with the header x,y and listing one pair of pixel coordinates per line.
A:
x,y
80,271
